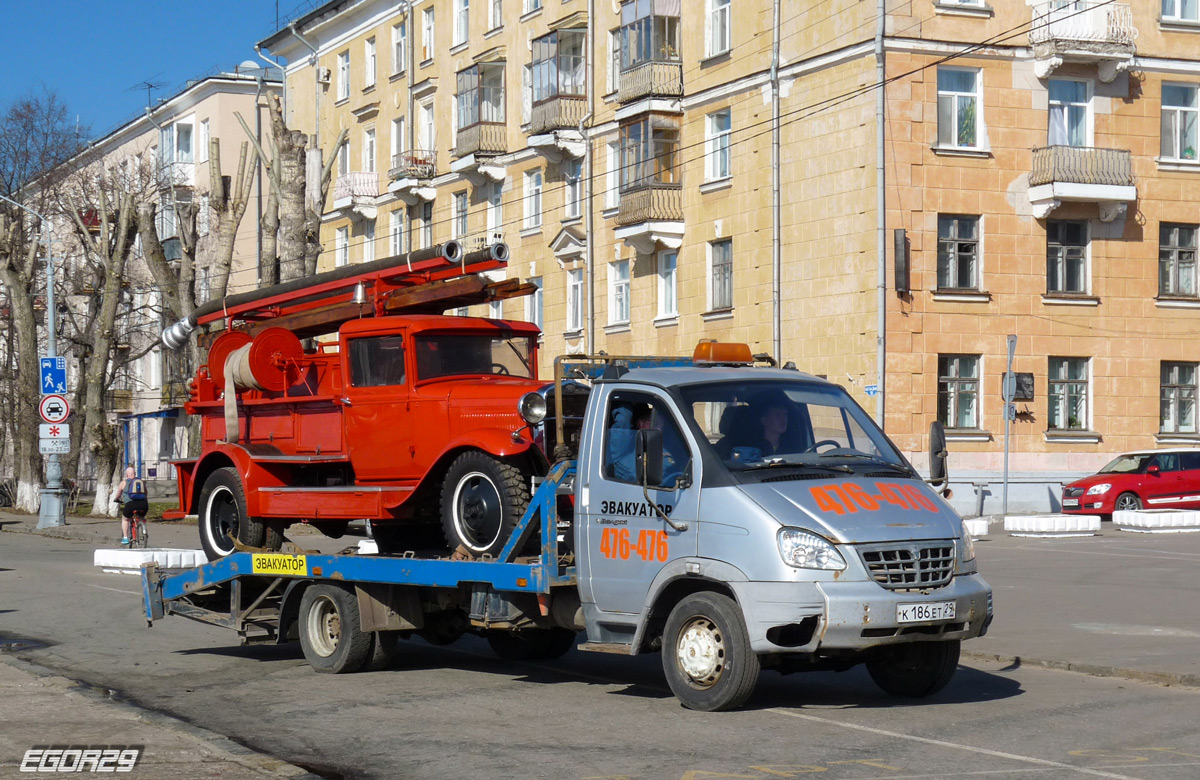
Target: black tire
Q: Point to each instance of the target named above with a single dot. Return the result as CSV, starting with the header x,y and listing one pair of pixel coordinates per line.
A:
x,y
914,669
482,500
532,644
706,654
223,511
330,632
383,651
1128,502
143,536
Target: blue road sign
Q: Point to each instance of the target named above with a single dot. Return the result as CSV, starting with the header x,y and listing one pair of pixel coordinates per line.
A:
x,y
54,375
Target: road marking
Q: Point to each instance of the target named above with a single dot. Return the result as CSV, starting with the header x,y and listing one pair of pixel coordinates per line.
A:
x,y
953,745
117,590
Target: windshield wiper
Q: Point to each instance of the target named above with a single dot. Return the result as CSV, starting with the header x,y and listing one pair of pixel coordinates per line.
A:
x,y
862,456
771,463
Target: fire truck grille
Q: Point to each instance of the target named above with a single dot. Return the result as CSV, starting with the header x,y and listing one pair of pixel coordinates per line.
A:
x,y
910,567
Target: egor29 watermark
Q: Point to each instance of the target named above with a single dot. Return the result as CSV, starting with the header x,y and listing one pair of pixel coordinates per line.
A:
x,y
82,758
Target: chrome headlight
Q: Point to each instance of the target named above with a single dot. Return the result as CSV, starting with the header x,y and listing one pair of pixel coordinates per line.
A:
x,y
1099,490
806,550
532,408
966,553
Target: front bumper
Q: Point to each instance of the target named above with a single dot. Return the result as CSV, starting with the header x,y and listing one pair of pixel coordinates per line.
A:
x,y
1089,505
852,616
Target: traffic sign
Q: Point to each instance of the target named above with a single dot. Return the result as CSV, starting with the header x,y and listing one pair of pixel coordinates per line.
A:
x,y
54,408
54,446
872,390
54,431
54,375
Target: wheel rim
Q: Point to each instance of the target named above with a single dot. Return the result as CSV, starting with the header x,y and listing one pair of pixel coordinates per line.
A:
x,y
1127,503
324,626
700,651
221,519
478,511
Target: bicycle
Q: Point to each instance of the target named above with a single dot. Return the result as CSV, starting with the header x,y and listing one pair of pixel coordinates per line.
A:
x,y
138,535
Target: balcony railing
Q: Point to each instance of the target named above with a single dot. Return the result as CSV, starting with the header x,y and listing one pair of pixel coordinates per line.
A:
x,y
357,184
415,164
1085,22
483,138
651,79
651,203
557,113
119,401
1081,165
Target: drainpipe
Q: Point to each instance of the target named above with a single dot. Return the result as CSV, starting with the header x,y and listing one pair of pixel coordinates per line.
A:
x,y
258,188
776,213
880,217
589,252
312,60
411,51
282,74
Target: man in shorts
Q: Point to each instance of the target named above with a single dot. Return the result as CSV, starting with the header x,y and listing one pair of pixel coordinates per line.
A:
x,y
132,492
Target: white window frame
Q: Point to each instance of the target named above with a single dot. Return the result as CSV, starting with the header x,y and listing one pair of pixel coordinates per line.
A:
x,y
495,211
572,188
613,80
1086,105
428,34
343,75
370,63
534,181
202,141
341,247
369,150
1179,112
713,303
612,176
427,224
1172,11
396,232
1172,393
462,21
399,140
717,28
980,141
458,217
957,380
183,155
496,309
427,126
954,248
717,144
368,241
1063,399
532,5
400,46
574,320
667,271
618,292
526,94
1087,260
344,157
533,303
495,14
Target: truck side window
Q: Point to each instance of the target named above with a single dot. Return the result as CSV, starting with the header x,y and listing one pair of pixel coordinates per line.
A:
x,y
628,413
377,361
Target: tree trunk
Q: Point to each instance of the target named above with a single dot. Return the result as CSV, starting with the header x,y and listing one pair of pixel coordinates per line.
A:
x,y
268,270
17,261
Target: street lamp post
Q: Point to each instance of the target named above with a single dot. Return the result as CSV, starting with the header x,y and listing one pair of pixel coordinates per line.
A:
x,y
51,509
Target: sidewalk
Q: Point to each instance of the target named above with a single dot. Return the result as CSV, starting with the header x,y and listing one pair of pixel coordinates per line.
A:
x,y
42,709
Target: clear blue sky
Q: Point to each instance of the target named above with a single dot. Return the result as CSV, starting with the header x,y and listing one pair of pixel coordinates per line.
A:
x,y
93,53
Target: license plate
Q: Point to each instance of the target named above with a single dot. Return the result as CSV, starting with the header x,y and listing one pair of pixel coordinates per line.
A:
x,y
924,612
1070,502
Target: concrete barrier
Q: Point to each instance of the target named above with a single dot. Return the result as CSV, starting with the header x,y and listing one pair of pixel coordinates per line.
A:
x,y
1158,521
126,561
977,527
1052,526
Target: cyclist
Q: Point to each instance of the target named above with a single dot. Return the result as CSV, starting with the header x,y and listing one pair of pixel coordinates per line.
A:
x,y
132,490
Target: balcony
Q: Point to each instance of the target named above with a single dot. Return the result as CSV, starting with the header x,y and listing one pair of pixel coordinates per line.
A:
x,y
354,195
562,112
1082,174
651,79
483,139
650,217
410,175
119,401
1085,31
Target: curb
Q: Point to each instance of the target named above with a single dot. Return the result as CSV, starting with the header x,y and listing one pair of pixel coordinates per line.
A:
x,y
238,753
1094,670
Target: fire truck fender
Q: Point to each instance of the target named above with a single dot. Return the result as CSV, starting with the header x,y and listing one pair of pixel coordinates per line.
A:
x,y
252,474
497,442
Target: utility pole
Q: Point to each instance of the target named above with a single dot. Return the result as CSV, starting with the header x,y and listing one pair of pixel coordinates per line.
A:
x,y
1009,392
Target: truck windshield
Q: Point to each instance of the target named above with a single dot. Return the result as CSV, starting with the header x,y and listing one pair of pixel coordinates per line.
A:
x,y
781,423
457,354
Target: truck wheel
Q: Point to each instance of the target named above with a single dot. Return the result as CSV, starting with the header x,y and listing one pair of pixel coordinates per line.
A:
x,y
329,630
532,644
915,669
383,650
1128,502
223,512
706,654
482,500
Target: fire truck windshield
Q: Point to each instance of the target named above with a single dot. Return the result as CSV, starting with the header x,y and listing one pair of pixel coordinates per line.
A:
x,y
458,354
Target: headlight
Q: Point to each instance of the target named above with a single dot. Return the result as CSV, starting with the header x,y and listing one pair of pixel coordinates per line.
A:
x,y
1099,490
532,408
808,551
966,553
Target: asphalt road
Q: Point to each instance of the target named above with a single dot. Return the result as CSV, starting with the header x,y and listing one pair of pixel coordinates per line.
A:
x,y
459,712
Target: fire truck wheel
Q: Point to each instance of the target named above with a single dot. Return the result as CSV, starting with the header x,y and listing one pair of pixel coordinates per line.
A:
x,y
532,644
482,500
915,669
329,630
223,512
706,653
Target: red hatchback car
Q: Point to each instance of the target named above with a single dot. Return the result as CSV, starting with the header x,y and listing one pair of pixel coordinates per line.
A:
x,y
1159,479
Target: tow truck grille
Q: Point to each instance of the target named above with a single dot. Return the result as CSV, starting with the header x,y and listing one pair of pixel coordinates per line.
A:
x,y
910,567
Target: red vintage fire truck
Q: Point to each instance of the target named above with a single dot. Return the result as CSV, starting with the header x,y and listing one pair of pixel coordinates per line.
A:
x,y
349,395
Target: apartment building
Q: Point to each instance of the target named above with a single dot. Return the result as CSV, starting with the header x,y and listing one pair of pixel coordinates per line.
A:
x,y
1039,159
163,155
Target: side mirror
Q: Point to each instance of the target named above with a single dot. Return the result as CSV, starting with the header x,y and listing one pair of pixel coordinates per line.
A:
x,y
648,453
939,474
1153,470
